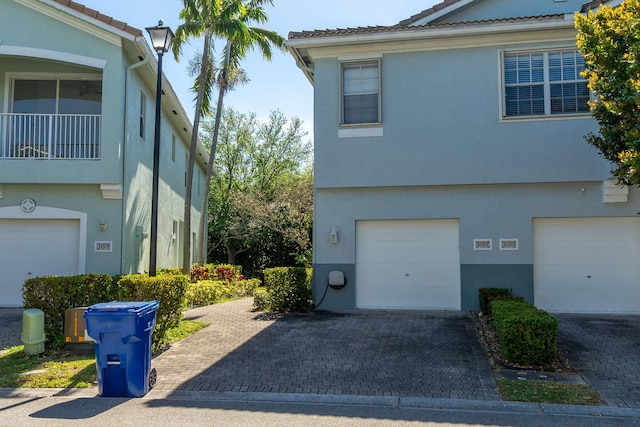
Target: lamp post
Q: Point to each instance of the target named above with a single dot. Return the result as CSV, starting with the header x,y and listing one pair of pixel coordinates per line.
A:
x,y
161,38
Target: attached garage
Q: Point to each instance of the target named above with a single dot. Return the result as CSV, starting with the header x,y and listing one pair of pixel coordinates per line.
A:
x,y
589,265
36,247
408,264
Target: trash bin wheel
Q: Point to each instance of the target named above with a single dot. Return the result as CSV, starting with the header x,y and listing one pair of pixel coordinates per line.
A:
x,y
153,377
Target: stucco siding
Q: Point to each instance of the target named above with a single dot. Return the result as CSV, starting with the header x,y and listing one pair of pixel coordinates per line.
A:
x,y
485,212
441,116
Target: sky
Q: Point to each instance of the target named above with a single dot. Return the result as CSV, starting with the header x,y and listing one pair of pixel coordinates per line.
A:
x,y
275,84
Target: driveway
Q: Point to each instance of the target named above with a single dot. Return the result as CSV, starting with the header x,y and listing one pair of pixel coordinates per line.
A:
x,y
364,353
372,353
605,349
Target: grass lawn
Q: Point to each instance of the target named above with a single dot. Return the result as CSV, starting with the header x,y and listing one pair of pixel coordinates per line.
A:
x,y
63,369
548,392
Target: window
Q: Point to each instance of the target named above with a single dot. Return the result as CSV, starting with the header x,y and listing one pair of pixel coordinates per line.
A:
x,y
173,148
544,83
143,113
53,117
361,93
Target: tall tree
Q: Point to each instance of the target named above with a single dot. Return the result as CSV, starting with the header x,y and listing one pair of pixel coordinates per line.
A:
x,y
265,184
229,21
609,40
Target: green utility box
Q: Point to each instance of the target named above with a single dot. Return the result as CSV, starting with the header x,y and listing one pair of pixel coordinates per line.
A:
x,y
33,331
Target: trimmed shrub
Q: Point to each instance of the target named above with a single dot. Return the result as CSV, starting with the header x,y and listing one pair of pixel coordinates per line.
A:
x,y
491,294
208,292
54,295
261,299
289,289
527,334
168,290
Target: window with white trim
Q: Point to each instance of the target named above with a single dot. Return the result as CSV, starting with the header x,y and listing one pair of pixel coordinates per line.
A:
x,y
544,84
361,93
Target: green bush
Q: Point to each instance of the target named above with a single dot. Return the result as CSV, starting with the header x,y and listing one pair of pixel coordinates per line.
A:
x,y
168,290
208,292
289,289
215,272
490,294
54,295
527,334
261,299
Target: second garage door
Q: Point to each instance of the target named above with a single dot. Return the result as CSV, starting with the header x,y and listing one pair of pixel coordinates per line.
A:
x,y
589,265
408,264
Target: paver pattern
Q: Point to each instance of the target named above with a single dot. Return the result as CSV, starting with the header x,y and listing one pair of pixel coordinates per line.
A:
x,y
372,353
605,350
368,353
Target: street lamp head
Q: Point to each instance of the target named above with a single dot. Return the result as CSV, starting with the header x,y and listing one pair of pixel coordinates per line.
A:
x,y
161,37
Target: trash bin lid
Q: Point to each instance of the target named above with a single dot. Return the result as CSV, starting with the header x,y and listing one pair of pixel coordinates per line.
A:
x,y
123,307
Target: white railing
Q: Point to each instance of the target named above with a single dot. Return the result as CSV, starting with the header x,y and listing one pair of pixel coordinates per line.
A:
x,y
49,136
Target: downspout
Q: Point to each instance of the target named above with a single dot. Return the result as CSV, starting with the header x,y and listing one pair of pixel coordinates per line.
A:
x,y
125,141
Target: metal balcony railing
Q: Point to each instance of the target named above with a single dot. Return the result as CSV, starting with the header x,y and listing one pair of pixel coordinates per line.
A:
x,y
49,136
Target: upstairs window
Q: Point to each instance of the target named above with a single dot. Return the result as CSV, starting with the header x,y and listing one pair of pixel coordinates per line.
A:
x,y
361,93
544,84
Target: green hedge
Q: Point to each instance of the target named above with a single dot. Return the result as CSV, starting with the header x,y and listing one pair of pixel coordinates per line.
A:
x,y
490,294
54,295
208,292
527,334
288,289
169,290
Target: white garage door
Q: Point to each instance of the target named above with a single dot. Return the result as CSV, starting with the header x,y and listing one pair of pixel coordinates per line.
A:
x,y
408,264
589,265
32,248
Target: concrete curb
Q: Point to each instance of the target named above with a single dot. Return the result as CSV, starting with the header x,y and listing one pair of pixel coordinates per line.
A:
x,y
317,399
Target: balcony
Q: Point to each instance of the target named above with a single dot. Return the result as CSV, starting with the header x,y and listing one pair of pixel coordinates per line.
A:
x,y
50,136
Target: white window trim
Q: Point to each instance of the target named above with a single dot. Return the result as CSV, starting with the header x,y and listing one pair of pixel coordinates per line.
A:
x,y
516,241
501,95
478,244
355,130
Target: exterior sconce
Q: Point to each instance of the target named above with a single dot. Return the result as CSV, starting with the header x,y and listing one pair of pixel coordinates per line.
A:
x,y
103,225
333,236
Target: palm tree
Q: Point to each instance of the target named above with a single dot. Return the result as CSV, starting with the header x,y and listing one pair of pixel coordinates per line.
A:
x,y
229,21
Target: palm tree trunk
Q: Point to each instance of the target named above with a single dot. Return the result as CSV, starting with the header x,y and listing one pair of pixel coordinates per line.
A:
x,y
186,246
212,154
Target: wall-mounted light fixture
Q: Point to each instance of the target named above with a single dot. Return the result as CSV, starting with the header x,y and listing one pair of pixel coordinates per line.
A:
x,y
103,225
333,236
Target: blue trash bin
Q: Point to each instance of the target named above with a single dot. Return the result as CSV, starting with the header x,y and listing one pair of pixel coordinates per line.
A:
x,y
122,331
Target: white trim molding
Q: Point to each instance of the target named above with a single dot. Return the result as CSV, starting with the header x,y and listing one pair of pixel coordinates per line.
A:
x,y
613,192
53,55
111,191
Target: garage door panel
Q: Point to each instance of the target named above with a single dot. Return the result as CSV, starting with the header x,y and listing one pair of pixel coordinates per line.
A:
x,y
408,264
32,248
587,264
589,300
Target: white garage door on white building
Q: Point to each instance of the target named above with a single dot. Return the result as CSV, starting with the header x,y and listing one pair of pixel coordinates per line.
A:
x,y
35,247
589,265
408,264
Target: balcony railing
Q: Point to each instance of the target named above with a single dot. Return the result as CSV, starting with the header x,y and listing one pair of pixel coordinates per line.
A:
x,y
49,136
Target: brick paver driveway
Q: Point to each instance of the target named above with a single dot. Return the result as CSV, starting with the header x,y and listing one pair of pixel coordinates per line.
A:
x,y
371,353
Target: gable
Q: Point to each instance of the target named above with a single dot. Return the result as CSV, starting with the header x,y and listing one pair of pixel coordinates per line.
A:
x,y
451,11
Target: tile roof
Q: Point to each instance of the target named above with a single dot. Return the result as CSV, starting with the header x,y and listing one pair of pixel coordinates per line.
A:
x,y
399,27
433,9
100,17
593,4
446,3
